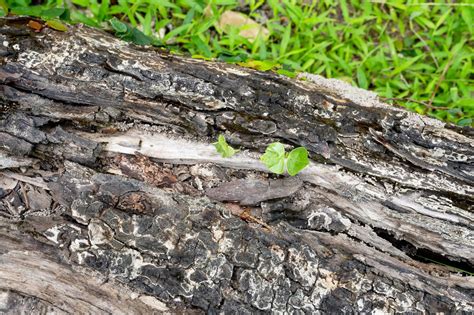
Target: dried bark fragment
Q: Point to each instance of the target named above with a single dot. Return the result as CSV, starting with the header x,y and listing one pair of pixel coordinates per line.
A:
x,y
252,191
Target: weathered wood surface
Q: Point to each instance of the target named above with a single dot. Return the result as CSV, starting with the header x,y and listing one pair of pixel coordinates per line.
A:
x,y
108,177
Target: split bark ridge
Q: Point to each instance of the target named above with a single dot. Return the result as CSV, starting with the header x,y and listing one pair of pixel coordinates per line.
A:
x,y
112,198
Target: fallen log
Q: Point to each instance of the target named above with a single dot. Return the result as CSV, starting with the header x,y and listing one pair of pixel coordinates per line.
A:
x,y
113,199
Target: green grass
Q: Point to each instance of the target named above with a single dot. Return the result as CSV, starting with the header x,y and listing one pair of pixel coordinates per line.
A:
x,y
413,53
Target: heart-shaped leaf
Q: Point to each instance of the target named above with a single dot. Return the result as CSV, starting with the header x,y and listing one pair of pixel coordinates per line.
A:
x,y
274,158
297,160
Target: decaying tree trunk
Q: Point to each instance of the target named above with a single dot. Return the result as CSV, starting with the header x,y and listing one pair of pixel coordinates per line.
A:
x,y
113,199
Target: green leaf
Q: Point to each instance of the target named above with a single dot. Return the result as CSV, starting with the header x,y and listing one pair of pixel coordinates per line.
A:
x,y
139,38
464,102
202,47
225,2
274,158
288,73
66,15
405,65
297,160
104,6
52,13
443,18
147,22
128,33
4,6
189,17
32,11
177,31
223,148
345,10
54,24
259,65
465,122
82,3
466,14
361,78
118,26
285,40
82,18
232,58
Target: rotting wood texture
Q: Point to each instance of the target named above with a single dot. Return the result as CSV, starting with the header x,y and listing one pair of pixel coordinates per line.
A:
x,y
110,188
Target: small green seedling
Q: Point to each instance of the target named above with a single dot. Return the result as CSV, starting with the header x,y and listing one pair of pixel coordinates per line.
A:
x,y
275,159
223,148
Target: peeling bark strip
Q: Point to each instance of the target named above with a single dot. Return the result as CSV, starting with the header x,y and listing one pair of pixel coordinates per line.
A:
x,y
108,176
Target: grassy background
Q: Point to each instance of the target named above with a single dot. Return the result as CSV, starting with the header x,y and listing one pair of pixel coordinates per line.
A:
x,y
412,53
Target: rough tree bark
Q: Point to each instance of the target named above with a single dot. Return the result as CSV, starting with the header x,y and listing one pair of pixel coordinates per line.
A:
x,y
112,198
